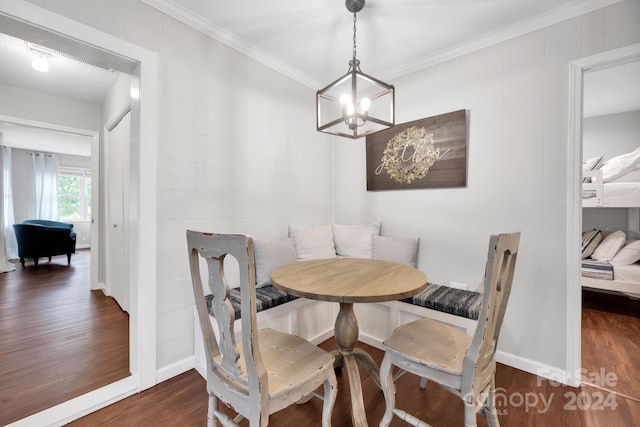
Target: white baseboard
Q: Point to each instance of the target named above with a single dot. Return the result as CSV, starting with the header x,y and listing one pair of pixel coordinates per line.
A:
x,y
536,368
80,406
175,369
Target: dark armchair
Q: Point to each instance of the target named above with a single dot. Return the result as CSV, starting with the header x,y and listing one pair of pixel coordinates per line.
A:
x,y
41,238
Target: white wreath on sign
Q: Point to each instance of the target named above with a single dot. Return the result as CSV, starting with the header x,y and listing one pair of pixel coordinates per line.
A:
x,y
409,155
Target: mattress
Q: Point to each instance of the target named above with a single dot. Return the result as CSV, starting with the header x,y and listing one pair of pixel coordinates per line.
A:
x,y
605,271
627,190
627,273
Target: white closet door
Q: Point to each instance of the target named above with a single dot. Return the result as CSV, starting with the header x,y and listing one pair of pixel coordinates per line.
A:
x,y
117,183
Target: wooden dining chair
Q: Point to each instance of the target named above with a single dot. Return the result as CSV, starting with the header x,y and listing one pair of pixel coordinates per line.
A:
x,y
268,370
464,365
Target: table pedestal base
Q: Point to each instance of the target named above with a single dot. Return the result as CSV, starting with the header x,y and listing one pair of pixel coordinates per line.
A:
x,y
346,333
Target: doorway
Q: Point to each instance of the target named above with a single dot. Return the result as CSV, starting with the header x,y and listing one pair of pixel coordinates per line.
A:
x,y
29,22
577,70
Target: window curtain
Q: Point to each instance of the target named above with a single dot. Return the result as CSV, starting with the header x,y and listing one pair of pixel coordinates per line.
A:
x,y
44,190
8,244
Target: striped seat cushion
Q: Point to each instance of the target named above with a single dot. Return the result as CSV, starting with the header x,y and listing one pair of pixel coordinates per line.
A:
x,y
459,302
266,298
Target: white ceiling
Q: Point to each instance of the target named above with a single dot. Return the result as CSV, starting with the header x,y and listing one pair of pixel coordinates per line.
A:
x,y
311,41
66,78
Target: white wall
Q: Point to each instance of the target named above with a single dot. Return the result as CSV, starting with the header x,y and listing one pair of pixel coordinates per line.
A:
x,y
33,106
609,135
516,96
238,151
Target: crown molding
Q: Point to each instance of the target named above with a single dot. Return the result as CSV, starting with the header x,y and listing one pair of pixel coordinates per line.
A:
x,y
187,17
562,13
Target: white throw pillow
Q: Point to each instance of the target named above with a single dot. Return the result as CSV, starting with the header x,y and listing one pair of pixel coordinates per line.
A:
x,y
313,242
354,241
628,254
609,246
620,165
271,254
396,249
633,176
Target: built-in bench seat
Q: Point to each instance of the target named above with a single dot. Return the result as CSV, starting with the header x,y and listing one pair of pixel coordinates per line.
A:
x,y
459,302
266,297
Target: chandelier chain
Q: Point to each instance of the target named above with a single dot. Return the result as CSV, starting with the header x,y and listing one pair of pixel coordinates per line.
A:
x,y
354,37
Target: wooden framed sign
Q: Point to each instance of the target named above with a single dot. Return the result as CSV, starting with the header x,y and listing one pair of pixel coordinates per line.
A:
x,y
425,153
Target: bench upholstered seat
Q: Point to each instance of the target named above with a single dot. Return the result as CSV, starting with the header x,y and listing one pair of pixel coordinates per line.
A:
x,y
266,297
459,302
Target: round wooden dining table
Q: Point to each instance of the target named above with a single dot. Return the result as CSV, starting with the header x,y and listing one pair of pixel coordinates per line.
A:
x,y
348,281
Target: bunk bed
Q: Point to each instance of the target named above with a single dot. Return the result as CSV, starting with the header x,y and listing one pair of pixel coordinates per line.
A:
x,y
614,184
598,194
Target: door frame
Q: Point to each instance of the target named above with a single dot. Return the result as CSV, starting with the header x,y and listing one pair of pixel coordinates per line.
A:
x,y
577,69
26,18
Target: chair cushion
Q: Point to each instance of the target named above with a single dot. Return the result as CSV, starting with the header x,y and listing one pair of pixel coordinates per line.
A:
x,y
445,350
459,302
266,298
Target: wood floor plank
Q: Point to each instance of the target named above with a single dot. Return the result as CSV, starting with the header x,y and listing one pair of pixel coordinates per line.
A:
x,y
611,342
58,339
30,383
182,401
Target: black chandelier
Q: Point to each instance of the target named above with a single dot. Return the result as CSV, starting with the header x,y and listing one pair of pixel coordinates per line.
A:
x,y
356,104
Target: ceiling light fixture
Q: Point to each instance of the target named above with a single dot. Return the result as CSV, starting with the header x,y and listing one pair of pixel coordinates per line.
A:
x,y
356,104
40,61
39,57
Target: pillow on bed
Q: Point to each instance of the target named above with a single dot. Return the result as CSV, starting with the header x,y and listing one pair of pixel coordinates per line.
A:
x,y
590,241
271,254
313,242
628,254
354,241
396,249
609,246
633,176
620,165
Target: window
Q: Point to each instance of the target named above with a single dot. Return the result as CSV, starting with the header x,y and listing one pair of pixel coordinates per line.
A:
x,y
74,194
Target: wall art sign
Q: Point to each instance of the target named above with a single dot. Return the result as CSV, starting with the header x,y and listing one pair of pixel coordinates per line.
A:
x,y
425,153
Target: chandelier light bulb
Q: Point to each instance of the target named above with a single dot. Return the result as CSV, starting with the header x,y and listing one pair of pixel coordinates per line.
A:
x,y
350,109
365,103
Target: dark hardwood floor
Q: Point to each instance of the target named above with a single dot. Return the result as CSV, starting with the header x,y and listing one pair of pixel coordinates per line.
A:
x,y
522,398
611,342
30,320
523,401
58,339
